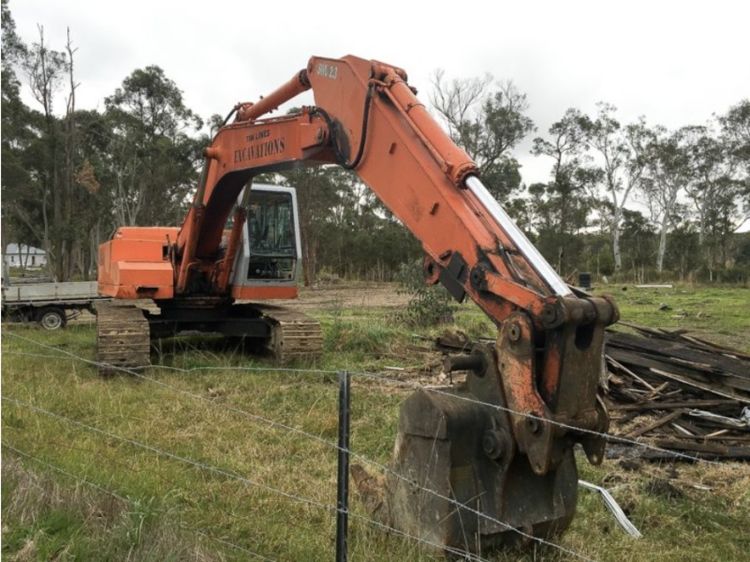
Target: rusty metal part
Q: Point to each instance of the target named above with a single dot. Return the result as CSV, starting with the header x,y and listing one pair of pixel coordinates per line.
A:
x,y
465,452
517,366
474,362
431,270
122,338
563,386
294,335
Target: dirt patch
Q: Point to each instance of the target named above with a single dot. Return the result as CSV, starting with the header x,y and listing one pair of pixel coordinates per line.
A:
x,y
325,298
351,295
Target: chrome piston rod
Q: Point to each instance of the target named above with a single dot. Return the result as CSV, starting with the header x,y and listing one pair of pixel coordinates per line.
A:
x,y
522,243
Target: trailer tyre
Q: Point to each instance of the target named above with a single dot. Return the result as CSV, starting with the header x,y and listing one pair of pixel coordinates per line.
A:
x,y
51,318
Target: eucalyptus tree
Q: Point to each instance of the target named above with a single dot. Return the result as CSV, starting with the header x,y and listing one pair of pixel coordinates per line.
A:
x,y
487,119
562,206
17,136
735,133
716,187
153,151
621,153
44,69
666,175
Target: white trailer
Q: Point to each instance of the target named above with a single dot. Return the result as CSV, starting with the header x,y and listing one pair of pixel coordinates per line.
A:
x,y
49,304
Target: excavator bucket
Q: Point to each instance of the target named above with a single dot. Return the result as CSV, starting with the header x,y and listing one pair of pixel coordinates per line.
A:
x,y
458,479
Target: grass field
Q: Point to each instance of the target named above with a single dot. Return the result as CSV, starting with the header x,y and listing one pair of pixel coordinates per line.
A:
x,y
88,495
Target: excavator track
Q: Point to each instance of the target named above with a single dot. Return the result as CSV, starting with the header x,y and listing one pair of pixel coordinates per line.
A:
x,y
122,338
294,335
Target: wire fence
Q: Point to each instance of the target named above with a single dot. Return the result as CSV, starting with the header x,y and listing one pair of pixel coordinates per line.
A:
x,y
611,438
244,480
280,426
95,486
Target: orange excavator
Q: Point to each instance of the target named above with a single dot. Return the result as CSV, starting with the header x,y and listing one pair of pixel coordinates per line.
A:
x,y
500,445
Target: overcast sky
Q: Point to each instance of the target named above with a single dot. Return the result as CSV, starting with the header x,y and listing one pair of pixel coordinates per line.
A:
x,y
674,62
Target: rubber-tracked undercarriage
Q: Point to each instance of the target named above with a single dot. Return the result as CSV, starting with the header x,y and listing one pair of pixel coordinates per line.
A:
x,y
122,338
125,329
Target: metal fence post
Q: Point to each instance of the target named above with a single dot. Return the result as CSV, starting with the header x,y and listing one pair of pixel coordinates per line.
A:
x,y
342,504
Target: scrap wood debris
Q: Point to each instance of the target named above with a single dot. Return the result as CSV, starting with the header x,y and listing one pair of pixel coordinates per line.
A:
x,y
669,389
678,392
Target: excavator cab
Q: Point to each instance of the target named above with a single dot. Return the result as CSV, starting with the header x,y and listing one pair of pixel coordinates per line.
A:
x,y
270,251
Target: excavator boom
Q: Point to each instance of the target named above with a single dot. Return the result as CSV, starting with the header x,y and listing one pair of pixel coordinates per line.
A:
x,y
543,372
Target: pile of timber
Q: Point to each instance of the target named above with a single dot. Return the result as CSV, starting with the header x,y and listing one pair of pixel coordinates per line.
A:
x,y
679,393
668,389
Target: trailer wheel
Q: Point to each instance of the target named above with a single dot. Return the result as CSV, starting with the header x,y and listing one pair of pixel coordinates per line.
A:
x,y
51,318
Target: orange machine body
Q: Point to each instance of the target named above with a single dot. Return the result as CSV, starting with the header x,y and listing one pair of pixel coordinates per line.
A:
x,y
366,118
135,263
370,103
545,367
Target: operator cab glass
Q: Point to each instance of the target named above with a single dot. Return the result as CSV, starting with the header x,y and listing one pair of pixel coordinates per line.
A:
x,y
271,236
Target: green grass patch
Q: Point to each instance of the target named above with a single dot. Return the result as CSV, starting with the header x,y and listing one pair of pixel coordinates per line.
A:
x,y
721,314
48,515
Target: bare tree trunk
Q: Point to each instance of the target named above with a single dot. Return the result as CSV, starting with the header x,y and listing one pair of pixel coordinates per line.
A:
x,y
662,244
70,142
616,240
46,242
94,241
42,84
308,262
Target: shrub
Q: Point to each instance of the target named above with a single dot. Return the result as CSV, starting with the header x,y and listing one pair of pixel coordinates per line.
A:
x,y
429,304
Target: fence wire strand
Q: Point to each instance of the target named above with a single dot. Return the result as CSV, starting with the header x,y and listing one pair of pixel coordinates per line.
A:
x,y
233,475
125,500
372,376
386,380
332,444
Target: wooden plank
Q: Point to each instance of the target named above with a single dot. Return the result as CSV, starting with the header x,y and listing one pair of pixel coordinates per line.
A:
x,y
698,403
716,434
707,449
671,349
727,393
654,393
622,367
683,431
662,364
728,351
658,423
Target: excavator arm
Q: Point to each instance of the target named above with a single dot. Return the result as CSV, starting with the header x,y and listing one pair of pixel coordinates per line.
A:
x,y
545,367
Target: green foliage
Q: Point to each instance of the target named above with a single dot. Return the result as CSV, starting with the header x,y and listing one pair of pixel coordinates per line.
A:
x,y
743,251
561,207
136,163
735,131
154,159
692,181
346,232
487,120
132,164
429,304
